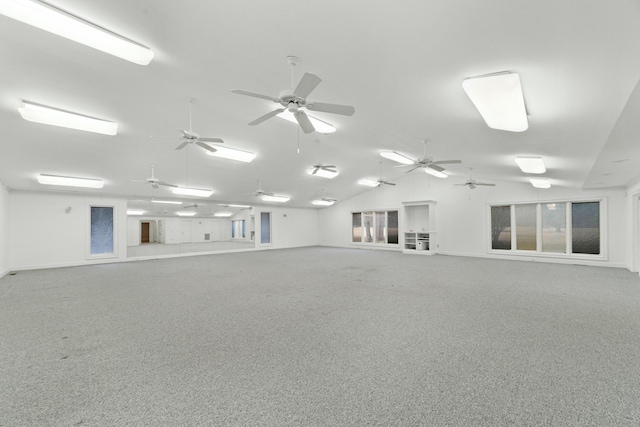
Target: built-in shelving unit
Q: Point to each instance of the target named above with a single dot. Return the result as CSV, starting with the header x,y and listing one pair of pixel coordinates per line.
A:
x,y
419,227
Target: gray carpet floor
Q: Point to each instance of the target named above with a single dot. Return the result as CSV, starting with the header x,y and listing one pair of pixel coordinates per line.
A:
x,y
320,337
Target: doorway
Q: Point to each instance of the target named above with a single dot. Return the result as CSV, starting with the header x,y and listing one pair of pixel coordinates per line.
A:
x,y
145,233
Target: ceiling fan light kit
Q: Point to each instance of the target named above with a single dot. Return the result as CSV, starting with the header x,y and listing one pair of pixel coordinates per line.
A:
x,y
70,181
531,164
499,100
57,21
52,116
197,192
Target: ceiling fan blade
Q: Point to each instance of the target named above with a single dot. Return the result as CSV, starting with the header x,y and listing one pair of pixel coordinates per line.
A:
x,y
345,110
266,117
304,122
306,85
166,184
327,167
444,162
315,170
206,147
412,169
388,183
211,140
435,167
181,146
485,183
255,95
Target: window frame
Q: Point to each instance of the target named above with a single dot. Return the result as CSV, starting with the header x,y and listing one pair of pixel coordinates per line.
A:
x,y
385,232
538,253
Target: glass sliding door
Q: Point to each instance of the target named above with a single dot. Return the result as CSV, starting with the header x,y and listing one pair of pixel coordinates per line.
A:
x,y
265,227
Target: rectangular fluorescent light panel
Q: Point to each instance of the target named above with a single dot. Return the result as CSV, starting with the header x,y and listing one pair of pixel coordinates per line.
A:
x,y
540,182
70,181
499,100
52,116
232,154
49,18
136,212
435,173
396,157
318,125
323,173
320,202
198,192
185,213
222,214
530,164
237,206
275,198
368,182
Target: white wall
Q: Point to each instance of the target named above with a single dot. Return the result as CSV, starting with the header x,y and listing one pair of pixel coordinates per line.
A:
x,y
461,214
633,225
290,227
4,230
52,230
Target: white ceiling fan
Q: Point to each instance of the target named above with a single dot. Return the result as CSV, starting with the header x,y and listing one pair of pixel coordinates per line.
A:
x,y
191,137
260,192
155,182
472,183
295,101
429,165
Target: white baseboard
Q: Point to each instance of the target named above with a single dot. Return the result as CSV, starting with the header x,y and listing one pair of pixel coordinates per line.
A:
x,y
594,263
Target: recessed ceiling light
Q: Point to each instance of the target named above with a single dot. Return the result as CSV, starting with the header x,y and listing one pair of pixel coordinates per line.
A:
x,y
232,154
323,173
198,192
185,213
222,214
136,212
57,21
499,100
540,182
70,181
396,157
368,182
166,202
531,164
318,125
435,173
53,116
320,202
275,198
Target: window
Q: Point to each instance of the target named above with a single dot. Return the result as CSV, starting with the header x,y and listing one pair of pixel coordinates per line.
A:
x,y
569,228
265,227
101,233
379,227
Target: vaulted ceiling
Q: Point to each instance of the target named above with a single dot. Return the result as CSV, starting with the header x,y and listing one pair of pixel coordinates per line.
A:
x,y
400,64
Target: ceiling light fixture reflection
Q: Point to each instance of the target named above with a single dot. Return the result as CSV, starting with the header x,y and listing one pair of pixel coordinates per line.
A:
x,y
70,181
185,213
368,182
318,125
320,202
540,182
275,198
396,157
57,21
323,173
232,154
198,192
435,173
55,117
499,100
166,202
135,212
531,164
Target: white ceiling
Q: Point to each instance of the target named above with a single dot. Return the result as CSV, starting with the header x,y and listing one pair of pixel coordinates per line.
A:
x,y
400,64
